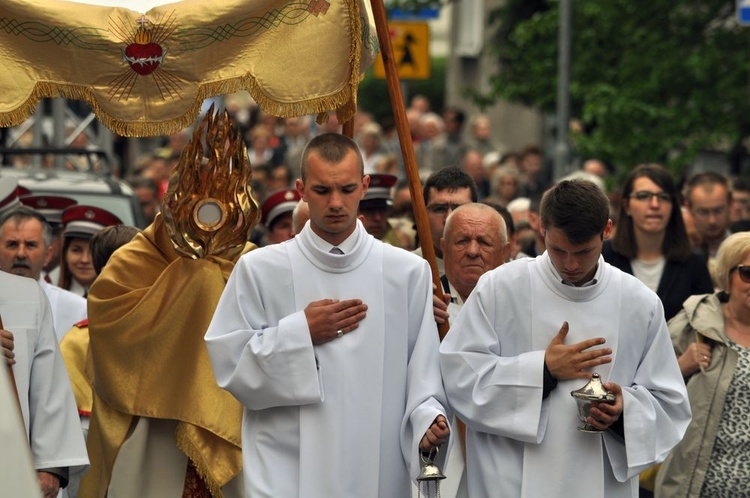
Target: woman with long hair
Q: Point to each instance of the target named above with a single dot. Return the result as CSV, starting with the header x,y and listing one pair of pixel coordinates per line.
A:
x,y
651,242
80,223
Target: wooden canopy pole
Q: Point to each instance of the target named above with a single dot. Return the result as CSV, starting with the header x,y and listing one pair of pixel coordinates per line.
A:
x,y
347,129
407,149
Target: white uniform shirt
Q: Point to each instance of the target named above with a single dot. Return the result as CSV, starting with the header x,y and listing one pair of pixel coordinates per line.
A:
x,y
67,308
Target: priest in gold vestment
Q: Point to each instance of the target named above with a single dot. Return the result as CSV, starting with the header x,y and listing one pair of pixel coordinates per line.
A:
x,y
160,424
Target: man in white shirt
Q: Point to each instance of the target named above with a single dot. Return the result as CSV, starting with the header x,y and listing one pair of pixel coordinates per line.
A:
x,y
25,249
328,340
475,241
509,366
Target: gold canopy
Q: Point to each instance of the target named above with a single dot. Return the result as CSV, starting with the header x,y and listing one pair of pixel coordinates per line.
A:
x,y
148,73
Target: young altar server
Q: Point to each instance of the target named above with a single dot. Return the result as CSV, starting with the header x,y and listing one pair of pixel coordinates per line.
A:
x,y
536,329
329,341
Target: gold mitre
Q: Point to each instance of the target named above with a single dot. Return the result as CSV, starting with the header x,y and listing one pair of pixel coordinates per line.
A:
x,y
209,208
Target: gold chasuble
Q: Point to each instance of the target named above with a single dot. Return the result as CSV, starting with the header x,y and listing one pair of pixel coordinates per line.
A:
x,y
75,348
151,306
148,313
147,73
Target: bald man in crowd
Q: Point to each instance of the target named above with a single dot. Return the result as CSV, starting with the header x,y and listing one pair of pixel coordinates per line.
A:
x,y
474,242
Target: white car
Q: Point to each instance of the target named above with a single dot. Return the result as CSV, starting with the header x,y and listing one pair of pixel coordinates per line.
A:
x,y
83,177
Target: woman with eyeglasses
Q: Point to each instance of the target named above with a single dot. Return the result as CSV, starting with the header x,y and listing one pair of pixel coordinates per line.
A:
x,y
651,242
711,336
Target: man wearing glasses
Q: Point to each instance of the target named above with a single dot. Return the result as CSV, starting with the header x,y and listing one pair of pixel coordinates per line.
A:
x,y
444,191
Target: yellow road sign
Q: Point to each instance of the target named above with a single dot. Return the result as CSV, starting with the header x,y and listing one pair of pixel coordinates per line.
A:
x,y
411,51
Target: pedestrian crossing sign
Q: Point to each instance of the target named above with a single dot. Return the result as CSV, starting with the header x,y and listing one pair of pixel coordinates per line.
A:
x,y
411,51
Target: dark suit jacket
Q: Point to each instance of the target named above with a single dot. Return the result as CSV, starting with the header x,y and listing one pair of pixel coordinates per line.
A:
x,y
680,280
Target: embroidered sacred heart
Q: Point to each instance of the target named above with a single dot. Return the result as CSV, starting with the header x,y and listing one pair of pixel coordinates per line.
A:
x,y
144,58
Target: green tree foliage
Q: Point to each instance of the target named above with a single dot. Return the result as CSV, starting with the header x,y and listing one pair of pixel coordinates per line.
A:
x,y
652,80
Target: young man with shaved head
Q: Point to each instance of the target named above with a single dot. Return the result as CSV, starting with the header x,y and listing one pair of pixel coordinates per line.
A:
x,y
329,342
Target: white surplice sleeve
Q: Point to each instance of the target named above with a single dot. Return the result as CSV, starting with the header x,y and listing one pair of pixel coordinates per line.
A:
x,y
656,410
492,385
263,359
425,395
55,434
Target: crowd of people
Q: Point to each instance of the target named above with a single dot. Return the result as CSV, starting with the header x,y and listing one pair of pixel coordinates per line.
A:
x,y
293,350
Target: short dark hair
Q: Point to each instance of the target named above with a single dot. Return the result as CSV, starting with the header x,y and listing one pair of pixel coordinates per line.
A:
x,y
332,148
706,179
24,213
450,178
106,241
676,245
577,207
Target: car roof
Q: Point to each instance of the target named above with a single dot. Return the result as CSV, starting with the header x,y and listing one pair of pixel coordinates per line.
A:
x,y
53,180
103,191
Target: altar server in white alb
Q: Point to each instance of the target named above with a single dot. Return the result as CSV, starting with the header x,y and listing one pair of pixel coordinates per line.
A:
x,y
534,330
46,399
329,341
